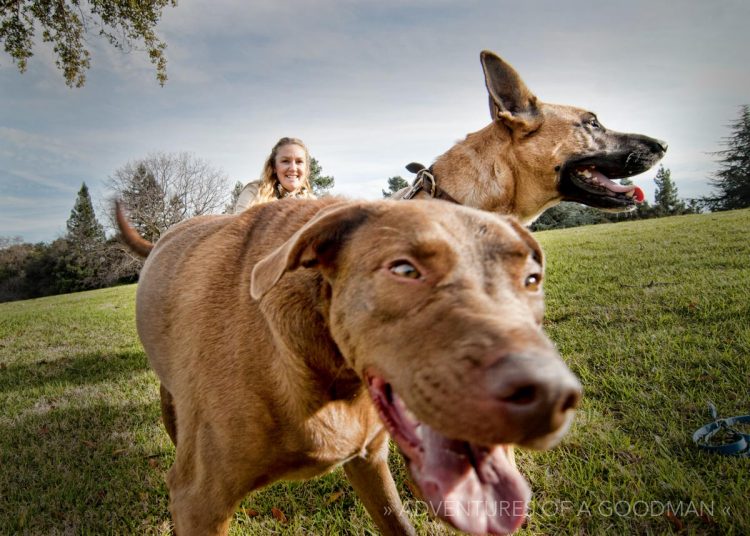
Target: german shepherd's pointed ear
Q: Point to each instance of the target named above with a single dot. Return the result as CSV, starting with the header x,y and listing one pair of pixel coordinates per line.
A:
x,y
511,102
316,244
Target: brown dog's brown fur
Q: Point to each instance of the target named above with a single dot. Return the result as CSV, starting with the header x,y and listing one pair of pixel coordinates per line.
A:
x,y
261,327
519,164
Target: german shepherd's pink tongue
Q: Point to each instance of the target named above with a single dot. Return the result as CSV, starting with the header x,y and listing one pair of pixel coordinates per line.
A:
x,y
590,175
476,489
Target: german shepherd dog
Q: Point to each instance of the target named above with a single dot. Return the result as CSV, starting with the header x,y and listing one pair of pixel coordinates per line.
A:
x,y
534,155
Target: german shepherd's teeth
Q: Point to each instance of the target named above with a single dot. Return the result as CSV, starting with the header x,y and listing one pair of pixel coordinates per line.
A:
x,y
587,177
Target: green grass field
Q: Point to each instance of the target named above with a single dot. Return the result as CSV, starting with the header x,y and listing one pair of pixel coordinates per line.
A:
x,y
654,317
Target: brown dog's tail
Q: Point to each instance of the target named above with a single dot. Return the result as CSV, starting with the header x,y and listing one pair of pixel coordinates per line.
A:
x,y
139,245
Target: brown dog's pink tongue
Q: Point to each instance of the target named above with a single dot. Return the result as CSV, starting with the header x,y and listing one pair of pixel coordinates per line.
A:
x,y
488,496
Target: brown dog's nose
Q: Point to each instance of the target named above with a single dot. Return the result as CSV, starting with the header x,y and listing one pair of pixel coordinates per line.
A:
x,y
538,392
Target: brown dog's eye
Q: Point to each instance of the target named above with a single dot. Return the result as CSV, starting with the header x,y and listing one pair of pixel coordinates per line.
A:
x,y
533,281
405,269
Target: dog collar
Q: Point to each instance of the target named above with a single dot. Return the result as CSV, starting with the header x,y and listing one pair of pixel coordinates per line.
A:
x,y
425,180
734,442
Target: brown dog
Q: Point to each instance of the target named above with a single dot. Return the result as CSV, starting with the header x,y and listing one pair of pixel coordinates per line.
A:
x,y
534,155
292,338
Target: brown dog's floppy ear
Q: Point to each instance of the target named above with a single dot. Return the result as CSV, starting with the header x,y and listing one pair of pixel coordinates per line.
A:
x,y
316,243
511,102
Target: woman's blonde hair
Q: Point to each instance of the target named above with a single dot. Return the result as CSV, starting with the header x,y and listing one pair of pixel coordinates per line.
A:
x,y
270,187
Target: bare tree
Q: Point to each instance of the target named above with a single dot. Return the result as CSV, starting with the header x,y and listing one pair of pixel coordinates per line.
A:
x,y
163,189
10,241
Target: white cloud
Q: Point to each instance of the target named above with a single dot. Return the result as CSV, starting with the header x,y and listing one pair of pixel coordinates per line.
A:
x,y
40,180
22,145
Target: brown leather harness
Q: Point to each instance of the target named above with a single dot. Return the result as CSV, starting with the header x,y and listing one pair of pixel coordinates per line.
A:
x,y
425,180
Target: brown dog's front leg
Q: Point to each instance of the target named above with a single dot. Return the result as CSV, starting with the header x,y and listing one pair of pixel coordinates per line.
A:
x,y
168,415
373,482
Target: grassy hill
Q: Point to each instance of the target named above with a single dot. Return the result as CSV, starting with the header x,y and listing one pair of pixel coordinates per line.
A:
x,y
654,317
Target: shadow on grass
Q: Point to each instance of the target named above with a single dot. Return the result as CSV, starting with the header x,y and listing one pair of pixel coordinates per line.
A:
x,y
76,370
95,470
101,469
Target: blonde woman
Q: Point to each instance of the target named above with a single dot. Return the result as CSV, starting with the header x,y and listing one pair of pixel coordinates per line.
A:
x,y
286,173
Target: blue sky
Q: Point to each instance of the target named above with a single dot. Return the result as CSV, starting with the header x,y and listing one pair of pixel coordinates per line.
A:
x,y
369,86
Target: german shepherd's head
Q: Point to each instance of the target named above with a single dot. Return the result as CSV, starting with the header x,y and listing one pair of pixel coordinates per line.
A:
x,y
536,154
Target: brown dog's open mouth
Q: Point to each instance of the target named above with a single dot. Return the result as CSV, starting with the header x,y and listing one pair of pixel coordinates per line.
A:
x,y
590,182
475,488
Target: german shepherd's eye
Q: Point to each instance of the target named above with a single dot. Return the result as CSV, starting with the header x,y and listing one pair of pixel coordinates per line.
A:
x,y
405,269
593,122
533,282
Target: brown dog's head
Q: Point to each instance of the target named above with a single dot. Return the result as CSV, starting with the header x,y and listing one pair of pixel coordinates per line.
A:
x,y
566,152
438,308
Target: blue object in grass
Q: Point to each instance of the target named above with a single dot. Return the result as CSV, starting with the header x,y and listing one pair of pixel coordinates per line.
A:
x,y
739,447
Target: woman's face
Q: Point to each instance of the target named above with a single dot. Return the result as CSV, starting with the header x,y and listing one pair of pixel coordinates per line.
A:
x,y
290,167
